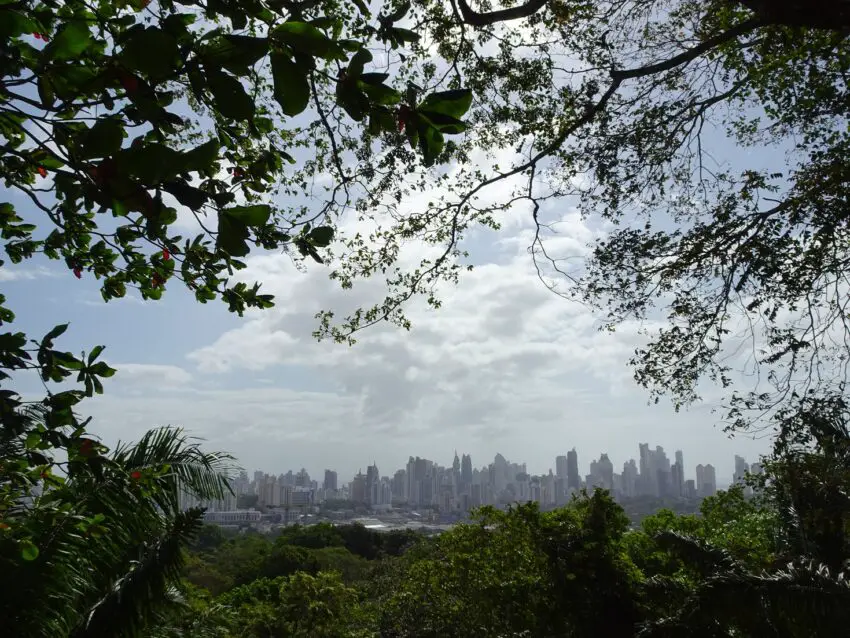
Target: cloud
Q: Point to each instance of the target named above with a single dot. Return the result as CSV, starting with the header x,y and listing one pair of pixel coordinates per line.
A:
x,y
147,375
25,273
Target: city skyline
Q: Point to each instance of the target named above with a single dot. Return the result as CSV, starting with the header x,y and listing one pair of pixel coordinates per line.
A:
x,y
584,467
454,490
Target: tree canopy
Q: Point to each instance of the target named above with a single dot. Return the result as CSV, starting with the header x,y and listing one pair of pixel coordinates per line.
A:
x,y
285,125
704,143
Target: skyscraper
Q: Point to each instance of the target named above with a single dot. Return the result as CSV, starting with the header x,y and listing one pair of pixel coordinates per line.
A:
x,y
677,481
573,477
561,467
710,480
330,480
741,469
466,471
605,468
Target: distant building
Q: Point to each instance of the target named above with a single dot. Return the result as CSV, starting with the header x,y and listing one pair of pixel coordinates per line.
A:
x,y
232,518
330,480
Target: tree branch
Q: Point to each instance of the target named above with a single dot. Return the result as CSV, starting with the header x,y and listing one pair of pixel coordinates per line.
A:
x,y
477,19
690,54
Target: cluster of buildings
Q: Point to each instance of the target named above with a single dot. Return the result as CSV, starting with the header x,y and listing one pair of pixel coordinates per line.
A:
x,y
454,490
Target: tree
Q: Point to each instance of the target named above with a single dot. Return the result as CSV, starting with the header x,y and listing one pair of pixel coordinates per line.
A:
x,y
300,605
521,572
96,551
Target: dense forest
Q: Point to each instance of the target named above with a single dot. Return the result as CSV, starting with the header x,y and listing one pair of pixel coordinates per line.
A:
x,y
706,144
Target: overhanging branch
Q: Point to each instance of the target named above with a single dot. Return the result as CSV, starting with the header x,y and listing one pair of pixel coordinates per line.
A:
x,y
476,19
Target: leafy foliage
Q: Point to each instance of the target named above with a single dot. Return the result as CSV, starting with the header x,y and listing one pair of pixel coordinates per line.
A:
x,y
95,551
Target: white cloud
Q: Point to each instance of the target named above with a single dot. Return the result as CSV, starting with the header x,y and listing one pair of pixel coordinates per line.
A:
x,y
23,273
146,375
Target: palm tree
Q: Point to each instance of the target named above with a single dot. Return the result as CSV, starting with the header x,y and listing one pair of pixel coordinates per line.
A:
x,y
807,593
108,537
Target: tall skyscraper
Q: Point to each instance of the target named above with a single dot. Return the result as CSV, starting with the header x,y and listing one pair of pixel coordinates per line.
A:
x,y
561,466
677,481
710,480
330,480
373,479
466,471
605,469
573,477
741,469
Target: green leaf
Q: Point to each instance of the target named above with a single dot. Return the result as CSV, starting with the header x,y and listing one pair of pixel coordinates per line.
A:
x,y
14,24
291,88
430,142
151,51
249,215
230,96
55,332
453,103
201,157
444,123
358,62
101,369
322,236
151,163
380,93
29,551
305,38
187,195
232,235
70,42
45,90
404,35
95,353
236,53
103,139
350,98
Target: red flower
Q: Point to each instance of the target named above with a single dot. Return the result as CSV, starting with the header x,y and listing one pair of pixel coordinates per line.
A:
x,y
37,36
136,475
157,281
78,272
165,254
42,171
237,172
87,447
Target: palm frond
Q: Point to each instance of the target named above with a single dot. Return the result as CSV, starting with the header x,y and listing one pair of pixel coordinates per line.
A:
x,y
184,465
133,599
704,557
799,601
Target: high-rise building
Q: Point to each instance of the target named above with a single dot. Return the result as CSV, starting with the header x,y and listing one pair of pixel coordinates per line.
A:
x,y
701,485
573,477
741,469
466,471
605,470
561,466
710,480
302,478
680,459
630,478
373,479
330,480
358,488
677,481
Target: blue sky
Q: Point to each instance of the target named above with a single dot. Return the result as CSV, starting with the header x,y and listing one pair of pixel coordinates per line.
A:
x,y
505,366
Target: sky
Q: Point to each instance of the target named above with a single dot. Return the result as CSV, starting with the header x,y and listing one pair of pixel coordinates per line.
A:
x,y
505,366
